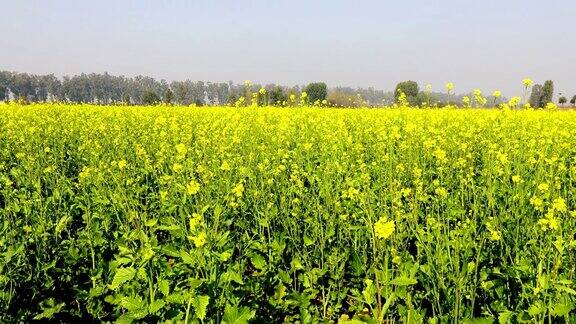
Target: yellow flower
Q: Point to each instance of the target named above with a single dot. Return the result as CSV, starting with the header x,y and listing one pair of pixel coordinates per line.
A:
x,y
225,166
238,190
516,178
195,220
441,192
193,187
551,106
181,151
384,228
440,154
177,167
543,187
559,204
199,240
449,86
527,82
122,164
496,94
514,101
537,203
553,223
495,235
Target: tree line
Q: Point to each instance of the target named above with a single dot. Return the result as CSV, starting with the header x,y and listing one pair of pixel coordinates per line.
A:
x,y
109,89
540,96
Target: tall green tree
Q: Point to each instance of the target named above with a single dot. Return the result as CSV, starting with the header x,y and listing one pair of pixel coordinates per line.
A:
x,y
410,89
316,91
573,100
562,100
535,95
547,93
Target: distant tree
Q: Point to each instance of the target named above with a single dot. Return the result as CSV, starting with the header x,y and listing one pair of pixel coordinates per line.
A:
x,y
277,96
317,91
410,89
535,95
168,96
338,98
126,98
562,100
547,93
4,85
573,101
150,98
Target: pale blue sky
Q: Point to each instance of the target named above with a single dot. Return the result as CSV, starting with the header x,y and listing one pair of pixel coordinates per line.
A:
x,y
487,44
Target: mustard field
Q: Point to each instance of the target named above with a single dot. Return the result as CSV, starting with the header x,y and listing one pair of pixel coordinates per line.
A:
x,y
266,215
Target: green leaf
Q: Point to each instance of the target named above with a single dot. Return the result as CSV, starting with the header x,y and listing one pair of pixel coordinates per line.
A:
x,y
132,303
164,287
187,258
151,222
156,305
235,315
536,308
505,317
49,308
232,276
200,306
258,262
125,319
61,225
565,289
403,281
121,276
561,309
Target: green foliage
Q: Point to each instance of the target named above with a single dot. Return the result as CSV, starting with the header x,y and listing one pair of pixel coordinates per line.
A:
x,y
317,92
410,89
535,96
277,96
150,98
573,100
168,96
562,100
547,93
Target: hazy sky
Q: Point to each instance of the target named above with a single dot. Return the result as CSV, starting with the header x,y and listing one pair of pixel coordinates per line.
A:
x,y
487,44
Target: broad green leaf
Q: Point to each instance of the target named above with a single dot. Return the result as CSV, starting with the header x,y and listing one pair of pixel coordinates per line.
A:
x,y
561,309
164,287
132,303
156,305
235,315
505,317
121,276
403,281
258,262
200,306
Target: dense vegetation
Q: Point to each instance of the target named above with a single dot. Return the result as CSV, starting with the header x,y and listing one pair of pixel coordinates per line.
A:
x,y
293,214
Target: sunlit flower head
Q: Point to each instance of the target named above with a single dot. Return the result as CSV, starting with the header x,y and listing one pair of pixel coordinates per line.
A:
x,y
527,82
384,228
